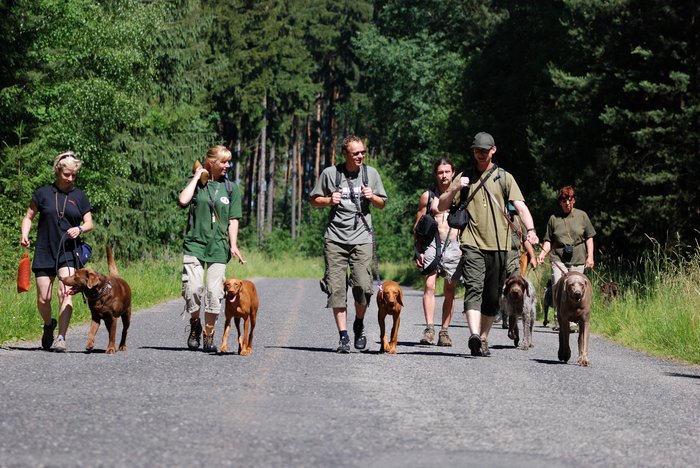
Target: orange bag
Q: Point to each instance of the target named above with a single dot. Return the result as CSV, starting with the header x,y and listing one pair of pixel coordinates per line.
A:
x,y
24,274
523,263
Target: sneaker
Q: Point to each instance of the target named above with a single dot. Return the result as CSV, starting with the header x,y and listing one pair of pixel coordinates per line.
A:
x,y
59,345
344,345
485,347
444,338
208,342
195,333
474,344
360,338
573,327
47,337
428,335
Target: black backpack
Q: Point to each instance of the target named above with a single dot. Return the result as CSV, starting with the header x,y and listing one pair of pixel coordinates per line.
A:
x,y
426,231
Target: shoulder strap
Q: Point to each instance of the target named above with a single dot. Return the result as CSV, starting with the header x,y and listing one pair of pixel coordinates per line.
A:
x,y
365,177
338,175
502,176
464,204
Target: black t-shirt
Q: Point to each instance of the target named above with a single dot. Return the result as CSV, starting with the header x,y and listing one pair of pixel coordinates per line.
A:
x,y
58,212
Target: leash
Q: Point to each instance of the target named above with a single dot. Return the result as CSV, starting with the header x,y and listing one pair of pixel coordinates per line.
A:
x,y
359,214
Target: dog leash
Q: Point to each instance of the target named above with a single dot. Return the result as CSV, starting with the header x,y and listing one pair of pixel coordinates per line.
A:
x,y
358,213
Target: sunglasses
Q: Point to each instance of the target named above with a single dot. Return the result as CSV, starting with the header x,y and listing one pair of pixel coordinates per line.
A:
x,y
357,153
69,155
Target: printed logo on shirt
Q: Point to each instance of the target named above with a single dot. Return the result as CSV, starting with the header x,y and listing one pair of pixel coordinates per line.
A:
x,y
224,200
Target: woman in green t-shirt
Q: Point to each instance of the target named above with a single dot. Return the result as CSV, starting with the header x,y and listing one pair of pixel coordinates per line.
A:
x,y
569,237
210,242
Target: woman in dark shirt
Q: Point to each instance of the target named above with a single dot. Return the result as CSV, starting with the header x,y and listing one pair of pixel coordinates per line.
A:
x,y
64,215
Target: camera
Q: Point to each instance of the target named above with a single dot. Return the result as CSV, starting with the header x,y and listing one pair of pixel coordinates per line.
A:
x,y
568,252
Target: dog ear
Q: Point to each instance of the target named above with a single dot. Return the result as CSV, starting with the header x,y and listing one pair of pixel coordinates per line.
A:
x,y
399,297
526,287
92,279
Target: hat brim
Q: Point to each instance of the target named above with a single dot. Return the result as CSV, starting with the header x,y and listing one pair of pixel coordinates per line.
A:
x,y
486,147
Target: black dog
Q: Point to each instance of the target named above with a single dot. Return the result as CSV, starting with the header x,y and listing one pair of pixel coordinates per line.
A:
x,y
547,301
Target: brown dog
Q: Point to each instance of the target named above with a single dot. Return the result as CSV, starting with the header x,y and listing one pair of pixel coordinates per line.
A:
x,y
241,303
390,302
518,301
572,297
109,297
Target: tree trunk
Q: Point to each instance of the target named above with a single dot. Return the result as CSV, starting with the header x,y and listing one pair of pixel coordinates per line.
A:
x,y
317,162
293,168
300,177
260,199
270,190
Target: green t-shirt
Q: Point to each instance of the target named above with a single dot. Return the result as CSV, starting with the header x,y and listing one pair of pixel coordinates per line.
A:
x,y
344,226
487,228
573,229
207,235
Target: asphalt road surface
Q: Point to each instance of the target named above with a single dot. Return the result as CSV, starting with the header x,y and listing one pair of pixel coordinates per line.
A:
x,y
295,402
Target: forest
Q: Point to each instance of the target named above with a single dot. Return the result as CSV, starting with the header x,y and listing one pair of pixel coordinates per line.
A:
x,y
600,94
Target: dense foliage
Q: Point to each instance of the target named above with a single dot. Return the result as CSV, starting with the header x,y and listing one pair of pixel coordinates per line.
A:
x,y
599,94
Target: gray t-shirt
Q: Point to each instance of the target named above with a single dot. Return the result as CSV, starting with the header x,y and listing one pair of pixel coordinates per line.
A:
x,y
344,225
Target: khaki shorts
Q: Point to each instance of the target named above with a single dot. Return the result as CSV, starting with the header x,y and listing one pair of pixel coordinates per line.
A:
x,y
338,257
448,262
483,273
195,293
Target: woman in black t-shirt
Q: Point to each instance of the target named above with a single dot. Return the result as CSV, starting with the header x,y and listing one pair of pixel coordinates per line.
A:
x,y
64,212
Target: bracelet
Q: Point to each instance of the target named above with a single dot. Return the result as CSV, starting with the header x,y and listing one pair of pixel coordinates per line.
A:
x,y
531,229
80,228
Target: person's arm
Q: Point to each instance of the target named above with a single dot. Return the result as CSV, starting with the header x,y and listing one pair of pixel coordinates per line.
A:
x,y
187,193
27,223
449,194
526,218
589,254
422,209
233,239
376,201
531,254
84,227
546,247
321,201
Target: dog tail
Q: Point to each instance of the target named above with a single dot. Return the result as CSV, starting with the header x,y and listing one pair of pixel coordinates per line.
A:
x,y
110,262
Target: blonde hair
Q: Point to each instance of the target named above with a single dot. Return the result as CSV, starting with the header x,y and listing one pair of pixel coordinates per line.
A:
x,y
219,153
67,160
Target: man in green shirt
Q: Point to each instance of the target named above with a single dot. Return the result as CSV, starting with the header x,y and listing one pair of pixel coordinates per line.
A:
x,y
485,240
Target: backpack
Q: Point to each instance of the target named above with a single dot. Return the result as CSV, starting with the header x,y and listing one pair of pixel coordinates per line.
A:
x,y
427,228
426,231
340,170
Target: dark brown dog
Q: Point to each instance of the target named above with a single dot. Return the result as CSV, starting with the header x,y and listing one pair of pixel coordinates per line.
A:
x,y
390,302
572,297
241,303
610,290
518,301
109,297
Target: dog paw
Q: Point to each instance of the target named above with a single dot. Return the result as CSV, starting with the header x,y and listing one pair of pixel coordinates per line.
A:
x,y
111,350
583,361
122,348
245,352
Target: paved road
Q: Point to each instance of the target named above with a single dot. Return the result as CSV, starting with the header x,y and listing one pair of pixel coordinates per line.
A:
x,y
295,402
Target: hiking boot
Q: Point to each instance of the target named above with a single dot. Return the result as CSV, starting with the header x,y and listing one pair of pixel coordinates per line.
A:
x,y
344,345
504,323
47,337
208,342
59,345
444,338
428,335
474,344
573,327
485,347
360,338
195,333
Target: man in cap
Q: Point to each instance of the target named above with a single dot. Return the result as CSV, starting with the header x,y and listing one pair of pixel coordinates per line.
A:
x,y
486,239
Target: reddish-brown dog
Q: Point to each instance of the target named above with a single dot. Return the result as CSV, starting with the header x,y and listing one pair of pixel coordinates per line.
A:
x,y
241,303
109,297
572,297
390,302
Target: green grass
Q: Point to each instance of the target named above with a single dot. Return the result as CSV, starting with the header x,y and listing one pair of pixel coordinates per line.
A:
x,y
657,313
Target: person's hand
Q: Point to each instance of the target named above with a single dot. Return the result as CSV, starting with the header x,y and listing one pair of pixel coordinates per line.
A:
x,y
419,261
237,254
367,193
463,182
589,263
532,238
24,241
336,197
73,232
534,262
540,257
